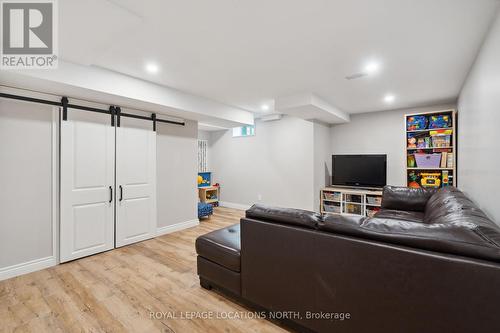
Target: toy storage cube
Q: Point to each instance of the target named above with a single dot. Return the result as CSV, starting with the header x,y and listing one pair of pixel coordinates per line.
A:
x,y
204,209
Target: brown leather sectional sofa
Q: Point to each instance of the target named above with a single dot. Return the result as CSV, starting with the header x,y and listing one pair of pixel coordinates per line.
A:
x,y
429,261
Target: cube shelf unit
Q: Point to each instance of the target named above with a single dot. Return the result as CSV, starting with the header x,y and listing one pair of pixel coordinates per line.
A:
x,y
350,201
446,171
209,195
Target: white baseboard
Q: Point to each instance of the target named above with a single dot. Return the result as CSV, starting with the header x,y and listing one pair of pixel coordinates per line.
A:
x,y
27,267
176,227
234,205
42,263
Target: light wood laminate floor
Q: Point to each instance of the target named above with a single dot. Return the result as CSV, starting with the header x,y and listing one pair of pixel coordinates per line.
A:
x,y
118,290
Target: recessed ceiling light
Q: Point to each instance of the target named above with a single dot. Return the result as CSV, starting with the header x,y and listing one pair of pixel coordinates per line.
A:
x,y
372,67
152,68
264,107
389,98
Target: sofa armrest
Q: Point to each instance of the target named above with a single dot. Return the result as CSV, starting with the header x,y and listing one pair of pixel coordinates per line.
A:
x,y
406,198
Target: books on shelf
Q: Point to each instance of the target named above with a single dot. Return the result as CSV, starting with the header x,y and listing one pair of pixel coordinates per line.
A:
x,y
449,160
444,159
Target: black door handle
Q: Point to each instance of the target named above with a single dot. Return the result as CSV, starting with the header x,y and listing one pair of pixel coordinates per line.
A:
x,y
121,193
110,194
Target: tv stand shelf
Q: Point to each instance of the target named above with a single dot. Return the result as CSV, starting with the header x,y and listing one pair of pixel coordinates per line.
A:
x,y
350,201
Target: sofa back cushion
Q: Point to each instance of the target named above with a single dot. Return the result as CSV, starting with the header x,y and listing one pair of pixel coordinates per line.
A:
x,y
405,198
447,201
450,206
452,223
461,238
297,217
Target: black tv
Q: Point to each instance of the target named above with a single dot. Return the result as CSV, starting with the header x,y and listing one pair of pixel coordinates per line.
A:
x,y
359,170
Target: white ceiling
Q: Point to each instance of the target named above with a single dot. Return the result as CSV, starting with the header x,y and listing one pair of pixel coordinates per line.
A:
x,y
248,52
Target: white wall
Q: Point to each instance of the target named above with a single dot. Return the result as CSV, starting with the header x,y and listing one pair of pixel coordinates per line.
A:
x,y
28,187
478,121
378,133
276,163
177,151
322,160
204,135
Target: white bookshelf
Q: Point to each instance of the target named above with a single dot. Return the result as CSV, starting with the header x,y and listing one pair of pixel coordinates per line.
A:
x,y
350,201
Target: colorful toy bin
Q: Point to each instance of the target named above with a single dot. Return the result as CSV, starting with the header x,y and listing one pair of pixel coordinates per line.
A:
x,y
440,121
415,123
204,179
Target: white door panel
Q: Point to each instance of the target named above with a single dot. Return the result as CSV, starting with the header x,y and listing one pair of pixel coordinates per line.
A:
x,y
88,221
87,178
136,213
136,181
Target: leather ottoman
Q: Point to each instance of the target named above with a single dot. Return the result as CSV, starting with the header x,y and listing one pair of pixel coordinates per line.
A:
x,y
219,259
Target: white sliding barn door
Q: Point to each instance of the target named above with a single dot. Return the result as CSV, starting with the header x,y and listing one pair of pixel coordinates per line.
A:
x,y
87,180
135,181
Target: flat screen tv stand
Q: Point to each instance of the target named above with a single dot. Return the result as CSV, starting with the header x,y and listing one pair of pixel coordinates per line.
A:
x,y
347,200
362,188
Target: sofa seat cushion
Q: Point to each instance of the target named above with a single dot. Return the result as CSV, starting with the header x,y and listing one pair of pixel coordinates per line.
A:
x,y
459,238
221,247
297,217
401,215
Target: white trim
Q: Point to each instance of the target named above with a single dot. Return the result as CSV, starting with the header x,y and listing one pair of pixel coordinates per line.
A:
x,y
176,227
28,93
27,267
55,184
234,205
